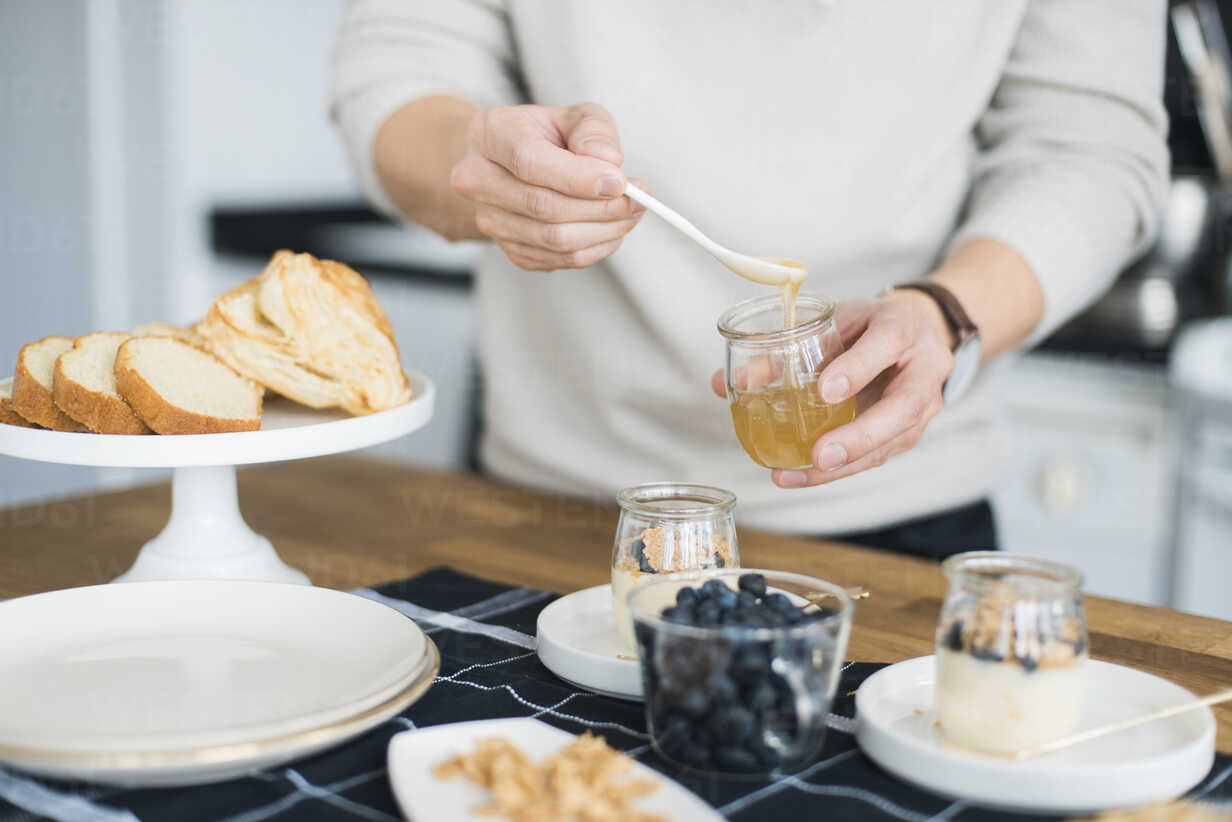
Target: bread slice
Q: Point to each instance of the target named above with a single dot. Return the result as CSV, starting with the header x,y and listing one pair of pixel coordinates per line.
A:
x,y
32,384
178,389
238,335
7,415
312,330
186,333
85,386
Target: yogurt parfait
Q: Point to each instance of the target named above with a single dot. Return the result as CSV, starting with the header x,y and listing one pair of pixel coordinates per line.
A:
x,y
667,527
1011,644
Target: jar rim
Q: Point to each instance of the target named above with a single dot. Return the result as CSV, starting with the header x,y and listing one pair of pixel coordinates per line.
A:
x,y
742,311
984,568
648,498
843,615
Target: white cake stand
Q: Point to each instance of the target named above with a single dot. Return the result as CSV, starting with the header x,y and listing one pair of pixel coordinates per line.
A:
x,y
206,538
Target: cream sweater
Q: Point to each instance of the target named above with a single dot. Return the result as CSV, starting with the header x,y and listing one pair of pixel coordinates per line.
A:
x,y
864,137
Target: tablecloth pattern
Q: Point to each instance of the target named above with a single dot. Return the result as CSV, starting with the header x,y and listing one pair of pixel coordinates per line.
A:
x,y
485,632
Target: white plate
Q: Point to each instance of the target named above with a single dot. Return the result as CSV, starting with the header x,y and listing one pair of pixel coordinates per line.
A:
x,y
424,798
577,641
1153,762
288,431
182,682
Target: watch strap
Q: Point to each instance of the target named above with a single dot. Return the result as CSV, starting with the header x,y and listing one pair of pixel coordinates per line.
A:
x,y
959,322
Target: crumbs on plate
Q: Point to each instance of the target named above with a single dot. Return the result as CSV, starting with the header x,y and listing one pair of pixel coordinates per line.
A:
x,y
580,781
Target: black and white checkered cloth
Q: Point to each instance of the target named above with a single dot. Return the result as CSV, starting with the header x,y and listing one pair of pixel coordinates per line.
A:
x,y
485,633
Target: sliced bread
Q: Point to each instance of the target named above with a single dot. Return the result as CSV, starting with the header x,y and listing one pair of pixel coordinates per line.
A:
x,y
187,333
312,330
178,389
7,415
33,380
85,386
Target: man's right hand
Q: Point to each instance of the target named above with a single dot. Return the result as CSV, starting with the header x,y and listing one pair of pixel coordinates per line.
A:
x,y
546,184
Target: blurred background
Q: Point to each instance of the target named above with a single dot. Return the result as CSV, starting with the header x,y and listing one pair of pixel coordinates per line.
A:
x,y
154,152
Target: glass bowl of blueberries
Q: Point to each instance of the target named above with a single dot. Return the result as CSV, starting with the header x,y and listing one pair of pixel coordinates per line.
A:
x,y
739,666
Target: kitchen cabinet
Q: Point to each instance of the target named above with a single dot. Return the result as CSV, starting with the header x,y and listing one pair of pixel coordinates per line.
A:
x,y
1090,470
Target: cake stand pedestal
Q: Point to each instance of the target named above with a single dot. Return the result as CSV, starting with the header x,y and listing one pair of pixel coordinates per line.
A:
x,y
206,537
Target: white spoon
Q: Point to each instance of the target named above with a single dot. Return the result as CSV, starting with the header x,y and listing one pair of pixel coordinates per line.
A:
x,y
767,272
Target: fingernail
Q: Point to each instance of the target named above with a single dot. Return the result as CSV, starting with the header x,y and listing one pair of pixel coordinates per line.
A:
x,y
835,389
832,456
610,186
791,479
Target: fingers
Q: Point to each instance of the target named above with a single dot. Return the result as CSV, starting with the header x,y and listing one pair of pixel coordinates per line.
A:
x,y
911,399
514,139
879,347
533,258
852,318
486,182
591,131
815,476
718,384
562,238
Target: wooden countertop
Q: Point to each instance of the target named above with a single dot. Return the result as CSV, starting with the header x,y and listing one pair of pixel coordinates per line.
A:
x,y
349,522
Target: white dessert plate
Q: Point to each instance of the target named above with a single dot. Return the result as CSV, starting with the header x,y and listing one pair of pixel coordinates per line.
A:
x,y
577,641
1149,763
288,431
424,798
169,683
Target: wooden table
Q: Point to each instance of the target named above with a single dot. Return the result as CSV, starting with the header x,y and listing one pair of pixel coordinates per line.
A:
x,y
350,522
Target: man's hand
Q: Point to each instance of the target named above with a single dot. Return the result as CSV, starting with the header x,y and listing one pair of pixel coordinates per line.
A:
x,y
546,184
897,359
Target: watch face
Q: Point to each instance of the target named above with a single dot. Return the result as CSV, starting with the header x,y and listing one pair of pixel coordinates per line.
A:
x,y
966,366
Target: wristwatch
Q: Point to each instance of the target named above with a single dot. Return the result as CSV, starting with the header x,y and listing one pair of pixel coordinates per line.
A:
x,y
969,348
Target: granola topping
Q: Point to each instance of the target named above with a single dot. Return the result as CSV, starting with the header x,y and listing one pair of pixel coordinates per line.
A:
x,y
581,781
659,550
1022,632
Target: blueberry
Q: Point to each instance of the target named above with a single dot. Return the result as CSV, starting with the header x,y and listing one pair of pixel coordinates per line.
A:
x,y
732,723
1079,645
779,602
746,601
638,549
718,561
712,589
686,596
695,755
679,615
708,614
749,664
792,617
693,702
725,690
986,653
771,619
726,597
734,758
755,584
1028,663
953,636
675,734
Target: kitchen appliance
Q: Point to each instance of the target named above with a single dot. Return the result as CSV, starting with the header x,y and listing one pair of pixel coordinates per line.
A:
x,y
1201,373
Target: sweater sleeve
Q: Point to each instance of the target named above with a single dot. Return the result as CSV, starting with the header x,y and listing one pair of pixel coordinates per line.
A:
x,y
392,52
1073,165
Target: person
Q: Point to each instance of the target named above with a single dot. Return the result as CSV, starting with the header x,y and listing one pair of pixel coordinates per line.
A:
x,y
1011,152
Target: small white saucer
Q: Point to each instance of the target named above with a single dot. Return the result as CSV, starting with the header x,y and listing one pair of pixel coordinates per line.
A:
x,y
578,642
1153,762
413,755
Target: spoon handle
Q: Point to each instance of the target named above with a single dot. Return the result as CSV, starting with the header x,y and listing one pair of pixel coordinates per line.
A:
x,y
680,223
1104,730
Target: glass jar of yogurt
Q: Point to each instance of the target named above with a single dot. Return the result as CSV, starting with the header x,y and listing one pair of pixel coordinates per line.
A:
x,y
667,527
1011,644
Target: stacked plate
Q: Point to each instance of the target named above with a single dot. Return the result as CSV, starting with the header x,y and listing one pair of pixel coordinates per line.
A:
x,y
177,683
